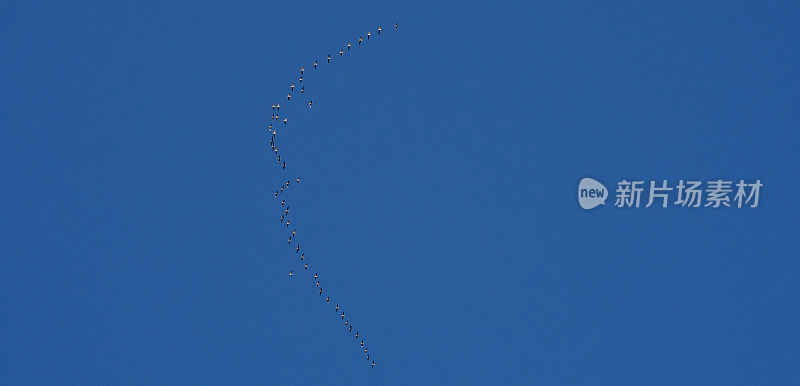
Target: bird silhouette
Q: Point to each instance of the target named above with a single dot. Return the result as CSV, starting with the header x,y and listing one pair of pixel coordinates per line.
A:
x,y
368,35
291,88
395,26
329,58
373,363
379,30
348,46
328,299
306,267
359,40
309,103
315,64
290,273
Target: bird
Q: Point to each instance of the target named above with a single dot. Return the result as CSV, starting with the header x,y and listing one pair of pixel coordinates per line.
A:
x,y
365,350
362,342
320,291
291,88
317,283
309,103
395,26
283,202
302,256
328,299
351,328
288,97
290,273
301,79
337,307
329,58
373,363
276,193
301,70
368,35
273,105
379,30
342,315
294,232
347,322
284,165
290,239
359,40
298,180
287,223
340,53
306,267
367,357
284,121
279,107
316,275
298,248
356,335
348,46
315,64
302,89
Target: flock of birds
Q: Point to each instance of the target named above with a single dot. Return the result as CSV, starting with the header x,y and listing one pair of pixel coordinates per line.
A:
x,y
277,118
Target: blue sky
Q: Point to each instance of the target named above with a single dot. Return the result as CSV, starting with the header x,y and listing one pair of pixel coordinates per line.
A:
x,y
141,241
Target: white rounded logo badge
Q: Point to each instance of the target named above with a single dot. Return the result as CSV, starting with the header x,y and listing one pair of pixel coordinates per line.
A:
x,y
591,193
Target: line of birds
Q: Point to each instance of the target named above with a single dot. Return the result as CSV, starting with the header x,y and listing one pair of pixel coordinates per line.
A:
x,y
279,192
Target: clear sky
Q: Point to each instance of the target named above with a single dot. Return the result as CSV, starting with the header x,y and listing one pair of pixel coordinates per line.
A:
x,y
141,241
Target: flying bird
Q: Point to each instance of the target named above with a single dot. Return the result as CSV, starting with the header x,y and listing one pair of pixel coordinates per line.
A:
x,y
379,30
359,40
301,79
316,275
306,267
320,291
284,121
284,165
298,180
315,64
288,97
298,248
368,35
279,108
290,273
291,88
373,363
348,46
328,299
351,328
302,89
329,58
395,26
342,315
337,307
309,103
340,53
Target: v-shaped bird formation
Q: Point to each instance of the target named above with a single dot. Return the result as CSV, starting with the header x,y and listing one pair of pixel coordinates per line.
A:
x,y
281,191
